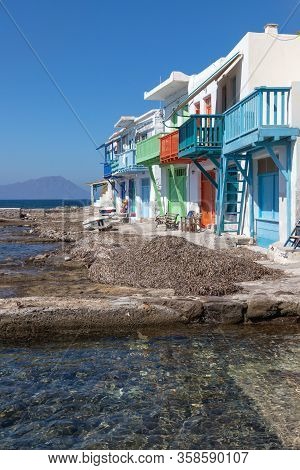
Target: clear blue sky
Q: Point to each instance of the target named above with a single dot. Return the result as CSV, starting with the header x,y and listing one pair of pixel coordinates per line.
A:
x,y
103,54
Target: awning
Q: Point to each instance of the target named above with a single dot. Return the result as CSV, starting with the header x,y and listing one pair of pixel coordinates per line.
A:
x,y
230,63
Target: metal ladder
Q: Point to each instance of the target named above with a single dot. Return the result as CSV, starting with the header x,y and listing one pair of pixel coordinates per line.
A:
x,y
294,239
233,184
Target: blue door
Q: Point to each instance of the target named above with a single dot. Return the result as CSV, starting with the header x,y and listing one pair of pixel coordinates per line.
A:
x,y
131,191
267,223
145,197
123,190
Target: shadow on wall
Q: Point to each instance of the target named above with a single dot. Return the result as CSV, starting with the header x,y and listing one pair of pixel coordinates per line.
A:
x,y
229,89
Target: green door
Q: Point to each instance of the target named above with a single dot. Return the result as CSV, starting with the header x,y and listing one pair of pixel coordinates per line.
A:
x,y
177,190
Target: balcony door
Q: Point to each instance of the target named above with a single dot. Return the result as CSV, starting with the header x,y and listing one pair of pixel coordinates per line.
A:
x,y
177,191
145,196
267,222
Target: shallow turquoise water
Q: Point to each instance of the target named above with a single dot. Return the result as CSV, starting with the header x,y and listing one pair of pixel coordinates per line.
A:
x,y
188,388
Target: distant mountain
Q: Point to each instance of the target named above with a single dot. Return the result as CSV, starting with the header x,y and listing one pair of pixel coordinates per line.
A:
x,y
48,187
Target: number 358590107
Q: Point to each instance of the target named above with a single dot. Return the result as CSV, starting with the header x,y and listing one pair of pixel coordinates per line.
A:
x,y
212,457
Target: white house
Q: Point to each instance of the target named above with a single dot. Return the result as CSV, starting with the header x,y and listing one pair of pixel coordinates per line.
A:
x,y
132,185
244,127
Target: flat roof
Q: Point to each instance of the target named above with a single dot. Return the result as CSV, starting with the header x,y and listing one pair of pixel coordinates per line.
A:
x,y
97,183
175,82
125,121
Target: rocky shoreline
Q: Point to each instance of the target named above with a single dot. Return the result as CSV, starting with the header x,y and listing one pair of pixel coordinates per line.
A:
x,y
54,296
52,318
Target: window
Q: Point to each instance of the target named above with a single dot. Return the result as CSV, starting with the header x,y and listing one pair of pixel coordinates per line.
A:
x,y
197,107
180,172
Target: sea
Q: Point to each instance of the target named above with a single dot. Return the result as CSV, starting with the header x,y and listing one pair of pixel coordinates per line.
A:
x,y
42,203
189,387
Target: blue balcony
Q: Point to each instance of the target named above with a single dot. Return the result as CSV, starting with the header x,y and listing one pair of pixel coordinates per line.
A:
x,y
125,163
107,170
200,135
262,116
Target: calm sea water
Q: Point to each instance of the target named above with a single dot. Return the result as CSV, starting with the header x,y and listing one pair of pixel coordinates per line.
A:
x,y
16,252
189,389
43,203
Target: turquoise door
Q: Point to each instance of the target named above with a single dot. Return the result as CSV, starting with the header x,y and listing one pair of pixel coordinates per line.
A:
x,y
267,223
131,191
145,197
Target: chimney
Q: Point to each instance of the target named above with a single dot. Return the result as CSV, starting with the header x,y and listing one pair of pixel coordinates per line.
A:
x,y
271,28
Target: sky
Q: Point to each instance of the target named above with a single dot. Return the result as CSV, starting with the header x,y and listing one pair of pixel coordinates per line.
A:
x,y
71,68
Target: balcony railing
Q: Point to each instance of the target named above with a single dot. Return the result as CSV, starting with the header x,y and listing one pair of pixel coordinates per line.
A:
x,y
107,170
169,144
125,162
148,151
265,107
114,165
169,147
202,133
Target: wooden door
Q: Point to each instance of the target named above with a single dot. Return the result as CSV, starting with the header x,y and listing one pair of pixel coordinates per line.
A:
x,y
207,200
267,224
177,191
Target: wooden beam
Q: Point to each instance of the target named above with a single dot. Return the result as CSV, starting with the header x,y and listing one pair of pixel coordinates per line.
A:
x,y
241,169
277,162
206,174
215,161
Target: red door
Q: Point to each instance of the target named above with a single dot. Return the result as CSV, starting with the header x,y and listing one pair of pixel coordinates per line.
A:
x,y
207,201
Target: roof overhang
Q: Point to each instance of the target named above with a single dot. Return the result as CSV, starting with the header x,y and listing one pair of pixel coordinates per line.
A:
x,y
125,121
173,84
145,116
223,69
97,183
115,136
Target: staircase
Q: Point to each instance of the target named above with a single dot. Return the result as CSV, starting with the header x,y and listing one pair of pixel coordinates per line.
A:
x,y
294,239
233,183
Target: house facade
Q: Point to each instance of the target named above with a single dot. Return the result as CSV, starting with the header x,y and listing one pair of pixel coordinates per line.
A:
x,y
132,186
226,143
184,186
175,174
243,134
